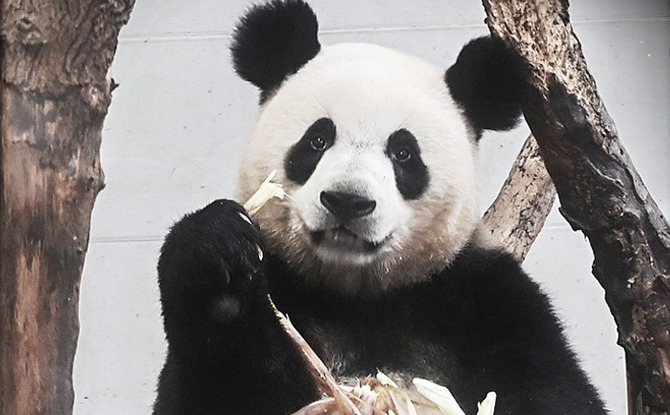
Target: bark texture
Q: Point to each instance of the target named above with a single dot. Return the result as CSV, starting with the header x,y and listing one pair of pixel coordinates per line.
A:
x,y
55,94
518,214
600,192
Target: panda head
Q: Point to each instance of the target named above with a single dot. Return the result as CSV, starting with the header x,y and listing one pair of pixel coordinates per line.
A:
x,y
375,148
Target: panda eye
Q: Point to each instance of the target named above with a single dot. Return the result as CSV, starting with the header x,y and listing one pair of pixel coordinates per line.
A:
x,y
411,174
402,154
303,156
318,143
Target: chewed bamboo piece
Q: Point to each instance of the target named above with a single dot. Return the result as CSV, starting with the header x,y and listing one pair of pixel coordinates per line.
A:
x,y
265,192
372,395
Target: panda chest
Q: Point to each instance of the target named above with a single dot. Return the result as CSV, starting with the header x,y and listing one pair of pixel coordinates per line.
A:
x,y
358,347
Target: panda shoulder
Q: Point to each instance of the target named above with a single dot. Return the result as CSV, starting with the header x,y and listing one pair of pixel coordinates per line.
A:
x,y
495,283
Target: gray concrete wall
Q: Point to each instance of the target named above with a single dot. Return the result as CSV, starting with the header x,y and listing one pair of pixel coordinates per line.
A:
x,y
179,118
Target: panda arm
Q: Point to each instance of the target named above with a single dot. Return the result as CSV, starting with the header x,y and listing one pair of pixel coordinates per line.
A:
x,y
225,345
515,344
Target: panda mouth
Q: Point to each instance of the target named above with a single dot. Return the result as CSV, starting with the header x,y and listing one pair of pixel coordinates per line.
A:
x,y
343,240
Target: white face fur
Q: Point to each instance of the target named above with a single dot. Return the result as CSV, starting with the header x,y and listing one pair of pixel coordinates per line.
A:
x,y
368,93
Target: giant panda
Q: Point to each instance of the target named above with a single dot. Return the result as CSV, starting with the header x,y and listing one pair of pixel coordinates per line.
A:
x,y
375,253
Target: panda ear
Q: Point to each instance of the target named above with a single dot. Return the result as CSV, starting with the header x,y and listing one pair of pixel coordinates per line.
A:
x,y
273,41
488,82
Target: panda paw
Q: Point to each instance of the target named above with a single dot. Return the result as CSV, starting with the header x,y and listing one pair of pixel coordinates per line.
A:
x,y
211,259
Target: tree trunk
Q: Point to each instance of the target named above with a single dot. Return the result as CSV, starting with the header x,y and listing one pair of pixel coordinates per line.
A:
x,y
600,192
55,94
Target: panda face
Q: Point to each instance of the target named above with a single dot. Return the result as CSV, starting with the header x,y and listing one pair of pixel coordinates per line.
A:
x,y
378,163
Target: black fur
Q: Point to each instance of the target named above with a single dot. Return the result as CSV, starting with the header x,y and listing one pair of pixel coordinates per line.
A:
x,y
488,82
411,175
479,325
224,342
303,157
273,41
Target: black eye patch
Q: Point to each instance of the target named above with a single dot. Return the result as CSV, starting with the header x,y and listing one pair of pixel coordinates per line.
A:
x,y
411,175
303,157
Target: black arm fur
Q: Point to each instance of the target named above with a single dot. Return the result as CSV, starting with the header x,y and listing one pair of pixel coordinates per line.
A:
x,y
479,325
227,353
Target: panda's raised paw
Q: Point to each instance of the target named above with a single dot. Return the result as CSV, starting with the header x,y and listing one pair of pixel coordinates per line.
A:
x,y
213,257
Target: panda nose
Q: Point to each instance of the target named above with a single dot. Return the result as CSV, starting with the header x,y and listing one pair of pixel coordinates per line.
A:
x,y
347,206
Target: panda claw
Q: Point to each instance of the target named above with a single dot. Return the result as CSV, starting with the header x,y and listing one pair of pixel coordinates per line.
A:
x,y
226,277
245,218
260,252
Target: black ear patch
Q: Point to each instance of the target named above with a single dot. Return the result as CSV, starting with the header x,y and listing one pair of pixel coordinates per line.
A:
x,y
273,41
488,82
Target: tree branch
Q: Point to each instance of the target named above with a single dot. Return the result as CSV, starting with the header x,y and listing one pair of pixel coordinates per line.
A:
x,y
518,214
600,192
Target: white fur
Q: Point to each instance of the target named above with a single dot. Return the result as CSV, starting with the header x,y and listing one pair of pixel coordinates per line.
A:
x,y
369,92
